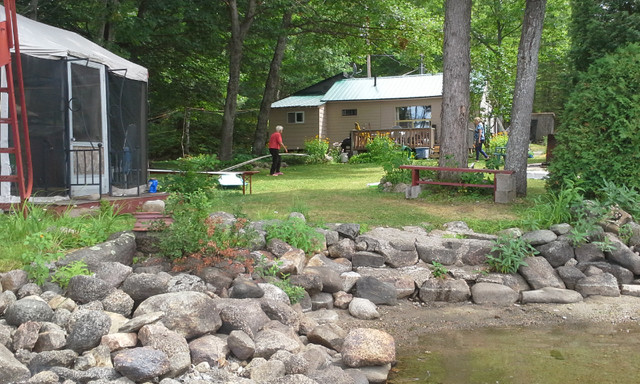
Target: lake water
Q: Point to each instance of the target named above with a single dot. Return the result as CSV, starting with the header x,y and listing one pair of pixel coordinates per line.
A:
x,y
602,354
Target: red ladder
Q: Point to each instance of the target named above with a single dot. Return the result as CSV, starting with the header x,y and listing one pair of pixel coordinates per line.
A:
x,y
18,141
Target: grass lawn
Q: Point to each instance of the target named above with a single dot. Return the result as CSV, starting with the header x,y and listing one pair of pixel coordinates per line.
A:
x,y
340,193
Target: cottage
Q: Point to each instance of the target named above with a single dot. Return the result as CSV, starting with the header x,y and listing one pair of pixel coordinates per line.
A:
x,y
407,108
87,114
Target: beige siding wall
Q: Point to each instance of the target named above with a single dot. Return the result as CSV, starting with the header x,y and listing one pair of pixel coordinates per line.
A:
x,y
294,135
379,114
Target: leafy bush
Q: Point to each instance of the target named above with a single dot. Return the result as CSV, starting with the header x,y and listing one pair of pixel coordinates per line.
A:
x,y
500,139
189,180
270,272
297,233
600,134
626,198
554,207
384,151
317,150
63,274
511,254
439,271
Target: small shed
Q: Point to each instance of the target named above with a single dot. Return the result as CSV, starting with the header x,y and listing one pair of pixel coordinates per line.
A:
x,y
87,115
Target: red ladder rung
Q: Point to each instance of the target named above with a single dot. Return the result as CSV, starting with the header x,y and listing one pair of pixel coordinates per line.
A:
x,y
9,179
8,150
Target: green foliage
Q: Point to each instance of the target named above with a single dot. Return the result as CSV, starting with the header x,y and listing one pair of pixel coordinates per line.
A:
x,y
475,178
554,207
439,271
499,140
297,233
270,271
625,233
189,180
606,245
600,134
511,254
317,150
384,151
585,218
43,248
63,274
628,199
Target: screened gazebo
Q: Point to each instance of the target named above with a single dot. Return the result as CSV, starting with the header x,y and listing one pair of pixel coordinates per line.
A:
x,y
87,113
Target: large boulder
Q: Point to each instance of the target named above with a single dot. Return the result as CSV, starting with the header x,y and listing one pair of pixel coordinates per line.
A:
x,y
191,314
364,347
241,314
120,249
397,246
556,252
31,308
450,251
494,294
84,289
550,295
12,370
378,292
174,345
622,255
141,364
604,284
539,273
86,329
449,290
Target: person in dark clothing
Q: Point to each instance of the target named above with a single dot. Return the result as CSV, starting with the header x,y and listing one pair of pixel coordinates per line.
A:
x,y
275,142
478,138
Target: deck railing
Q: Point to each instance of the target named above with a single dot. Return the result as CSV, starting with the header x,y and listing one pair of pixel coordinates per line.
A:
x,y
406,137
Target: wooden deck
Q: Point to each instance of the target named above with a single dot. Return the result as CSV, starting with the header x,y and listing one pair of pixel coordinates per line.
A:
x,y
405,137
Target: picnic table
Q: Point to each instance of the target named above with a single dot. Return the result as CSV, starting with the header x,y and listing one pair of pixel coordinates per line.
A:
x,y
245,175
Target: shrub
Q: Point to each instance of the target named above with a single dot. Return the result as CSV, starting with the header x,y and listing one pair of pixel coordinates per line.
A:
x,y
600,134
554,207
511,254
626,198
189,180
63,274
297,233
317,150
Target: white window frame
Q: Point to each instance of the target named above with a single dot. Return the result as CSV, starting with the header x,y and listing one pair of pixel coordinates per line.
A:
x,y
298,117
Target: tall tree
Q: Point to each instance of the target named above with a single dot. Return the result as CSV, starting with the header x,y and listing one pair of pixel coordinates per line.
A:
x,y
518,145
271,85
456,74
240,25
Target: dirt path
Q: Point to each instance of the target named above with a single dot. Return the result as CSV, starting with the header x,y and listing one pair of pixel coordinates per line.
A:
x,y
408,320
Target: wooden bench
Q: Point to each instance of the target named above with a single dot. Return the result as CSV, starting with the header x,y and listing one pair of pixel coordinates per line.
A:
x,y
246,175
415,176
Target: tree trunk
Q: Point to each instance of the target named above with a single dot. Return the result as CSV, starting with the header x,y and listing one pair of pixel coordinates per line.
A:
x,y
455,93
271,86
238,33
518,145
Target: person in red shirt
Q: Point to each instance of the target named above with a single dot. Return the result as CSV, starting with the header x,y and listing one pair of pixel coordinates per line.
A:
x,y
275,142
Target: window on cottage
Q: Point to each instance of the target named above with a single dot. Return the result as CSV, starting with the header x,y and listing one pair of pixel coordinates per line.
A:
x,y
295,117
416,116
349,112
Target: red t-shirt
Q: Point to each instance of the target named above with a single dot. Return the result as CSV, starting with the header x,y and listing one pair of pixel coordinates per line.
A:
x,y
275,141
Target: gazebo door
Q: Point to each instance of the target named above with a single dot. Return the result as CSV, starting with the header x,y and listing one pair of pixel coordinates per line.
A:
x,y
87,113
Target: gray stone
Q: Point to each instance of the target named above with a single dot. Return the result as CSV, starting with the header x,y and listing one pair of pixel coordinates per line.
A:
x,y
505,192
270,341
12,370
46,377
331,374
622,255
323,316
157,336
331,236
312,283
292,262
266,371
550,295
321,300
630,290
539,237
348,230
153,206
216,277
560,229
243,288
134,324
87,328
121,249
29,289
494,294
241,314
185,282
293,363
6,299
191,314
365,347
44,361
623,275
30,308
13,280
363,309
367,259
449,290
92,374
141,286
412,192
26,335
604,284
112,273
450,251
209,348
281,312
274,293
570,275
588,252
342,299
331,281
539,273
376,291
278,247
344,248
339,265
241,345
141,364
349,280
556,252
118,302
329,335
397,247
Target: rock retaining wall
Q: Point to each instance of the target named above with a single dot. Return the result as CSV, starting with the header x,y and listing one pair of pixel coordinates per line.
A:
x,y
146,323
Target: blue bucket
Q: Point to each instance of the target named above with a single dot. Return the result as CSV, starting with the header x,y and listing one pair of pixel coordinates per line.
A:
x,y
153,186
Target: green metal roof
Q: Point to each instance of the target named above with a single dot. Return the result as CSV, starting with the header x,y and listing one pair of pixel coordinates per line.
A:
x,y
299,101
381,88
